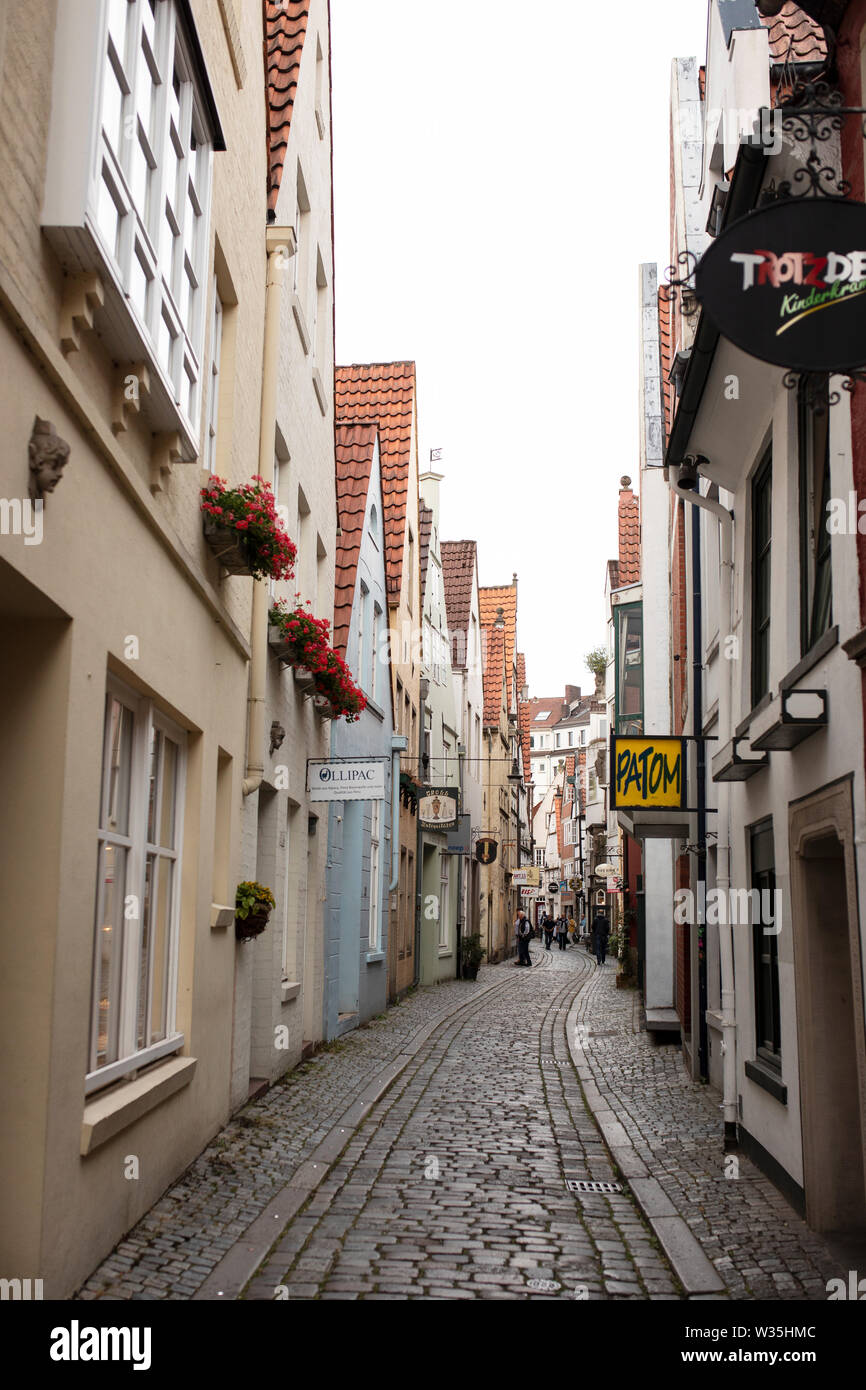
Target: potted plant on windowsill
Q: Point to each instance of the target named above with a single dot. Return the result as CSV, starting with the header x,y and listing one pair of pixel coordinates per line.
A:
x,y
243,530
253,906
471,955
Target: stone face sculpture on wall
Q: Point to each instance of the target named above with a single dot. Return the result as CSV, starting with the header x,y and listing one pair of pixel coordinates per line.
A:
x,y
49,455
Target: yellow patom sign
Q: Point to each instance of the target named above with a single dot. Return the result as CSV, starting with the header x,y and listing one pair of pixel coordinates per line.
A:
x,y
647,772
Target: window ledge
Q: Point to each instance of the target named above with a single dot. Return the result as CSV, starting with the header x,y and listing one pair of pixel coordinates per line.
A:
x,y
765,1078
319,389
373,957
106,1116
816,652
289,990
762,704
373,708
301,324
113,320
444,952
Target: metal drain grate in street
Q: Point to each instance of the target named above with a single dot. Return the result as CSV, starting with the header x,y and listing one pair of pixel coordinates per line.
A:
x,y
582,1185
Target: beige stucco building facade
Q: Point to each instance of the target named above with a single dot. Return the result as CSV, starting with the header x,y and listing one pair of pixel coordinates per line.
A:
x,y
133,270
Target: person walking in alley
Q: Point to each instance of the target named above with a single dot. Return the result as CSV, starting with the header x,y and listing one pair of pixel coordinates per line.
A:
x,y
600,934
547,926
523,932
561,933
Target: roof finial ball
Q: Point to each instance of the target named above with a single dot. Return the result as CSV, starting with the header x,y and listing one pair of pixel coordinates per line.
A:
x,y
770,8
625,482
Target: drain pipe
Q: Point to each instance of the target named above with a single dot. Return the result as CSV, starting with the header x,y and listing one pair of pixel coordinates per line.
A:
x,y
280,244
685,485
399,744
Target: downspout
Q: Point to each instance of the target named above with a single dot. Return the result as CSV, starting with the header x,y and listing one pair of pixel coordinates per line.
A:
x,y
280,244
682,485
424,691
399,744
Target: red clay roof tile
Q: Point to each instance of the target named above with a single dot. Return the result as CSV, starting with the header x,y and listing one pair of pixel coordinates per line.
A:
x,y
629,538
285,30
354,446
385,393
794,36
490,600
458,568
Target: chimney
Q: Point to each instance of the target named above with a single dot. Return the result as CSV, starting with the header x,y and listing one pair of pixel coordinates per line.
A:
x,y
572,693
428,487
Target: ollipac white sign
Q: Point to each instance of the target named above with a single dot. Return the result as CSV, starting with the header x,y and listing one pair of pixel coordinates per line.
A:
x,y
360,780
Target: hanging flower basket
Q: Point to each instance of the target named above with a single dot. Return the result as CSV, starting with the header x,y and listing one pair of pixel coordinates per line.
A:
x,y
304,644
227,546
249,927
243,530
253,905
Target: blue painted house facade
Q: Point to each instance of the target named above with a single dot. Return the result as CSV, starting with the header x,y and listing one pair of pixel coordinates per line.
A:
x,y
359,865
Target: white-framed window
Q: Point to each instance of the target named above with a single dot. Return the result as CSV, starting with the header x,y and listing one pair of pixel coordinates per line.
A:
x,y
539,858
153,173
213,395
571,738
559,740
444,882
374,934
134,991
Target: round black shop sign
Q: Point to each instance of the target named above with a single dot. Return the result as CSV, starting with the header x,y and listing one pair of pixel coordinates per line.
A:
x,y
787,284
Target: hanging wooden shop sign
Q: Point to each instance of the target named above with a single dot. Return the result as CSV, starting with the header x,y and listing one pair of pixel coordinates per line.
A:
x,y
647,772
438,808
787,284
486,851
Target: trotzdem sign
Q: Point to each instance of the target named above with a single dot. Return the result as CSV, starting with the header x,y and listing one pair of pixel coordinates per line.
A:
x,y
647,772
785,284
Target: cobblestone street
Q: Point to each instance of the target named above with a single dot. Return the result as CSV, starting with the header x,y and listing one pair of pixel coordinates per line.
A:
x,y
429,1154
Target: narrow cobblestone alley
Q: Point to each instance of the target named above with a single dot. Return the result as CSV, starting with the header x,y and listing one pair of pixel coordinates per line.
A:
x,y
429,1156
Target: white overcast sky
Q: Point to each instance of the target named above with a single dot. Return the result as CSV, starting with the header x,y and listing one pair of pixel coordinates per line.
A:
x,y
501,170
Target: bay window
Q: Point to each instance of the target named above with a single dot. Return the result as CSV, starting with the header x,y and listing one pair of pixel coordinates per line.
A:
x,y
137,889
128,186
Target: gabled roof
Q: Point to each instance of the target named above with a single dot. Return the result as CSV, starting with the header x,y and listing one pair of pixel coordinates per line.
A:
x,y
285,31
384,392
458,567
354,446
425,527
794,36
490,600
494,669
629,538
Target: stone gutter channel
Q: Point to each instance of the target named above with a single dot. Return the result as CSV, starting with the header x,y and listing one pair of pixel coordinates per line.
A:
x,y
695,1271
238,1266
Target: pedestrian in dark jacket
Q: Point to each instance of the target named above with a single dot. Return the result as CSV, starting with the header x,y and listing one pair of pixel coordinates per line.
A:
x,y
523,932
547,926
561,933
600,934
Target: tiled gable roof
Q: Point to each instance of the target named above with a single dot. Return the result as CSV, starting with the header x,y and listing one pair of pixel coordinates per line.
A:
x,y
285,31
425,527
490,599
667,356
458,568
794,37
384,392
494,666
354,446
629,538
